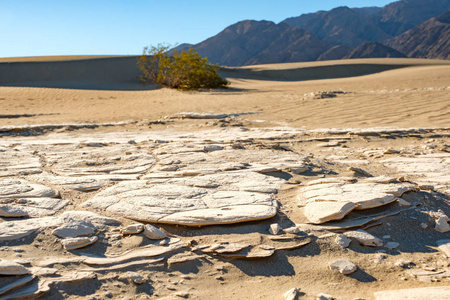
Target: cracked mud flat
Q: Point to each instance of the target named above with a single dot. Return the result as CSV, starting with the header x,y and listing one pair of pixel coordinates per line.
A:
x,y
229,213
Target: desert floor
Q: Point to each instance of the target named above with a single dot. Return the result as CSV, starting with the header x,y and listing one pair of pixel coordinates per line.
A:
x,y
345,121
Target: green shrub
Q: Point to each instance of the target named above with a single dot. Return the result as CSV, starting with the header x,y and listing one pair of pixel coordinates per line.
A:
x,y
185,70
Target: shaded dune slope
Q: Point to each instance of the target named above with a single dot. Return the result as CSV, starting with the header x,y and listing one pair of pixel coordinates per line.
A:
x,y
121,73
110,73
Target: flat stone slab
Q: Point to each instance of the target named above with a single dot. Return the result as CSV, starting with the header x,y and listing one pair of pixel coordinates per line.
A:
x,y
14,162
429,293
343,266
11,268
332,200
184,205
30,199
17,229
429,168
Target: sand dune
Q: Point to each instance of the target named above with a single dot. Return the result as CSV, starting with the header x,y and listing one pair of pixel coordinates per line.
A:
x,y
104,73
382,92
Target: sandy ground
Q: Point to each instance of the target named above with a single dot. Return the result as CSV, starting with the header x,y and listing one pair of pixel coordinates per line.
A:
x,y
378,93
414,93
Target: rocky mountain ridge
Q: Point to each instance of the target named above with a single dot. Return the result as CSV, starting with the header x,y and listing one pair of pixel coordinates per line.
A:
x,y
409,28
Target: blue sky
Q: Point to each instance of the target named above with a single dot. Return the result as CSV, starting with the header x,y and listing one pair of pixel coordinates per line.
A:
x,y
89,27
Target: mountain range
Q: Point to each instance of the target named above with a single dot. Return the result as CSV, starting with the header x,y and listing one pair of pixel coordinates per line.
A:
x,y
406,28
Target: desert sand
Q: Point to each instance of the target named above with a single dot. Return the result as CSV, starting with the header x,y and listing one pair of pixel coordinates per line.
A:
x,y
252,191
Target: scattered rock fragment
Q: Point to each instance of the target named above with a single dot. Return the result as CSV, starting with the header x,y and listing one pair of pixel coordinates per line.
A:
x,y
292,230
136,277
21,228
442,225
9,211
78,242
334,200
323,296
343,266
133,229
324,211
15,284
182,294
11,268
444,246
275,229
292,294
154,233
403,263
74,228
364,238
183,257
359,172
97,220
342,240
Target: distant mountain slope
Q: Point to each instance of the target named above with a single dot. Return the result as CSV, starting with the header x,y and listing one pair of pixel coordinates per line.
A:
x,y
341,26
339,33
400,16
254,42
367,11
334,53
374,50
429,40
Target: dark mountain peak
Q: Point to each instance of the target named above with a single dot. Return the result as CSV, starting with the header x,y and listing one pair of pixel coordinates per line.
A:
x,y
256,42
246,26
367,11
400,16
341,26
374,50
444,18
431,39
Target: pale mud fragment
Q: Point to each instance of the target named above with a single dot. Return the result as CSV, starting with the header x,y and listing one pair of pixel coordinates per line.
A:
x,y
11,268
154,233
425,169
34,200
292,294
225,248
14,162
132,229
33,290
78,242
364,238
184,205
342,240
343,266
74,228
16,284
8,211
103,164
246,181
183,257
256,252
116,267
13,230
97,220
334,200
323,211
82,184
444,246
134,254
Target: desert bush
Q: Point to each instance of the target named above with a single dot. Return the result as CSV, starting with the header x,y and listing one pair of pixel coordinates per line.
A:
x,y
185,70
